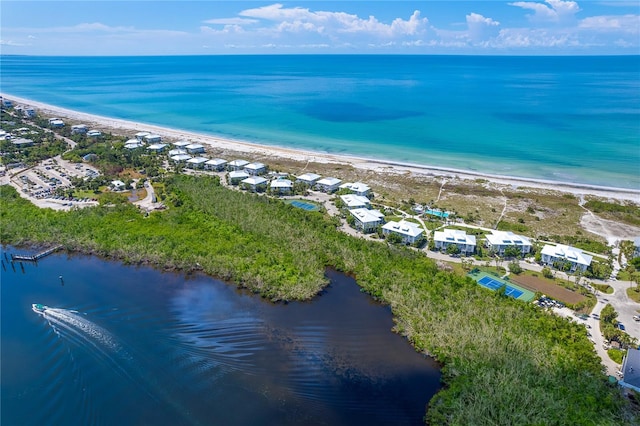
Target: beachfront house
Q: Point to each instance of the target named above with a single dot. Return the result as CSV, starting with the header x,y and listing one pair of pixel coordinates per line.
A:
x,y
157,147
94,133
255,169
328,184
357,188
79,129
181,144
281,186
367,220
215,164
176,152
631,370
559,255
254,183
180,158
197,162
308,179
141,136
117,185
22,142
56,123
7,103
409,232
194,148
236,165
153,138
352,201
447,237
498,241
237,176
26,111
133,144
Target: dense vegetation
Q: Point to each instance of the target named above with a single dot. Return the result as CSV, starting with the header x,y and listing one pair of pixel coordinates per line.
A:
x,y
624,213
505,362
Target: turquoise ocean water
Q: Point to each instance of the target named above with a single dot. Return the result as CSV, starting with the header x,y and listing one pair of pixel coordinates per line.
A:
x,y
570,119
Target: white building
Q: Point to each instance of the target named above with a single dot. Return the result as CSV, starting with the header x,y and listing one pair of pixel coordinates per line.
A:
x,y
157,147
79,129
180,158
197,162
446,237
498,241
367,220
22,142
56,122
254,183
181,144
142,135
194,148
357,188
328,184
255,169
309,179
409,231
281,186
176,152
153,138
562,253
217,164
352,201
636,247
236,164
133,144
236,176
94,133
117,185
29,112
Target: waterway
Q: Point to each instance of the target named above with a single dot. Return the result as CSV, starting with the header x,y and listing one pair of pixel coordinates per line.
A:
x,y
133,345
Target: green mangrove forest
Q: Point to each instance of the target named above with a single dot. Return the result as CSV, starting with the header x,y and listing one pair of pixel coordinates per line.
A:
x,y
504,362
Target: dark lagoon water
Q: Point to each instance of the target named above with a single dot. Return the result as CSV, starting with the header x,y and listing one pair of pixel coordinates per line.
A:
x,y
132,345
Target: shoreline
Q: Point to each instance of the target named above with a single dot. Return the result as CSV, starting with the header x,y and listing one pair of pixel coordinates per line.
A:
x,y
375,165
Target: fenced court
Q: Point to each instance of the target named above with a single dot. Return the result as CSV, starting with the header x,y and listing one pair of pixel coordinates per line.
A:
x,y
495,283
303,205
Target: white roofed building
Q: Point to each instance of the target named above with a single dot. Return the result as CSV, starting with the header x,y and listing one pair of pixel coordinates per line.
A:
x,y
308,179
498,241
157,147
236,164
328,184
142,135
56,122
254,183
281,186
446,237
180,158
117,185
78,129
133,144
367,220
560,254
94,133
255,168
153,138
197,162
352,201
181,144
176,152
409,232
216,164
357,188
236,176
194,148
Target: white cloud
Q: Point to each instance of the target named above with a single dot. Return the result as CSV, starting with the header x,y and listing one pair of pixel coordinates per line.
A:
x,y
553,11
298,19
481,28
622,23
11,43
231,21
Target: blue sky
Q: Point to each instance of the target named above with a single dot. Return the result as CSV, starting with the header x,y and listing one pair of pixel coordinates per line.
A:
x,y
536,27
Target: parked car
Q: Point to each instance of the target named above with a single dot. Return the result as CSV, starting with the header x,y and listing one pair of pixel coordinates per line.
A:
x,y
636,317
621,326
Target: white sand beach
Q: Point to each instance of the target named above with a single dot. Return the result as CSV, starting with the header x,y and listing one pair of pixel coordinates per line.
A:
x,y
125,127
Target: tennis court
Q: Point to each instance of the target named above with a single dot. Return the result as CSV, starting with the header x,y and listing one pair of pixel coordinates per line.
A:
x,y
302,205
510,289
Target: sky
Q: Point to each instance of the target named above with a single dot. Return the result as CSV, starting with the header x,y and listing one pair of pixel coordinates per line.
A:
x,y
473,27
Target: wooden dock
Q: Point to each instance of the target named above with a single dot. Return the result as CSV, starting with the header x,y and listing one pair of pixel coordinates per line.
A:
x,y
34,258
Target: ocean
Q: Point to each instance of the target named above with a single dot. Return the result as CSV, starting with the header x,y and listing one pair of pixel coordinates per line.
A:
x,y
569,119
126,345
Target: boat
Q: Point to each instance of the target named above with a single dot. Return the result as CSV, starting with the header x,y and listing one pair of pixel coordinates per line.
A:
x,y
38,307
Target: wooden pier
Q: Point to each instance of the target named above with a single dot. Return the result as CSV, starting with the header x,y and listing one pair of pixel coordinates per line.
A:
x,y
34,258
